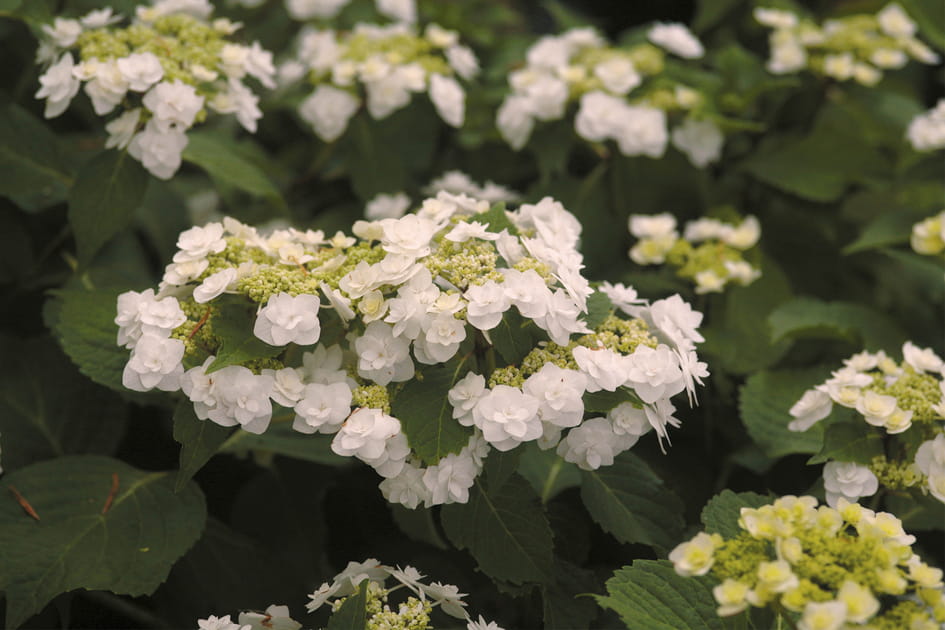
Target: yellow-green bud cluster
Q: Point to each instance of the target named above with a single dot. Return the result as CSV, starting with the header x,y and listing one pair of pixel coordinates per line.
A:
x,y
469,263
374,396
928,236
850,564
896,475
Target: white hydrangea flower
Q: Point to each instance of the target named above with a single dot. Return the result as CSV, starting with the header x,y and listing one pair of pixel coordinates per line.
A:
x,y
306,9
676,319
140,70
274,618
322,407
58,86
775,18
410,235
463,61
895,22
677,39
218,623
559,394
214,285
594,444
605,369
930,460
527,291
402,10
329,109
382,357
406,488
618,75
515,121
238,397
155,362
198,242
172,104
144,314
287,386
700,140
643,132
813,406
451,478
922,359
926,132
63,32
375,438
384,206
654,374
441,340
159,150
507,417
122,129
449,99
289,319
848,480
629,420
464,395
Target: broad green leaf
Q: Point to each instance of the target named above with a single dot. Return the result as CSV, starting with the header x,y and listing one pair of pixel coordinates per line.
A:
x,y
499,468
917,512
712,12
89,335
603,401
857,323
496,219
599,308
47,409
33,172
763,404
82,541
425,412
930,17
281,439
199,440
353,612
101,203
550,144
720,514
371,163
418,525
547,472
649,595
889,228
849,442
514,337
506,531
737,339
629,501
224,161
233,324
563,608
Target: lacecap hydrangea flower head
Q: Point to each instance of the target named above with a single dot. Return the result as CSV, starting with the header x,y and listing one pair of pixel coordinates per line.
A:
x,y
380,67
365,585
160,75
622,94
711,253
904,403
462,302
854,47
823,568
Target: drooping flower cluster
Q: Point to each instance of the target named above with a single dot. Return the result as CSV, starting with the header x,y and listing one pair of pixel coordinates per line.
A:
x,y
162,73
824,568
894,399
381,66
623,94
394,206
928,236
327,328
710,252
926,132
858,47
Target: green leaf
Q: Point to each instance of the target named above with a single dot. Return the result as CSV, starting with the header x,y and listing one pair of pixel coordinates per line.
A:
x,y
101,203
506,531
88,334
426,415
281,439
127,549
629,501
764,401
930,17
499,468
371,163
849,442
496,219
418,525
599,308
711,13
514,337
233,324
737,340
603,401
889,228
199,440
720,514
47,409
224,161
857,323
649,595
918,512
547,472
353,612
33,172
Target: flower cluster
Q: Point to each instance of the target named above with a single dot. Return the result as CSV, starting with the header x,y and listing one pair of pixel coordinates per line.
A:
x,y
382,66
928,236
824,568
710,252
895,399
412,614
926,132
857,47
399,10
394,206
427,289
163,72
623,95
